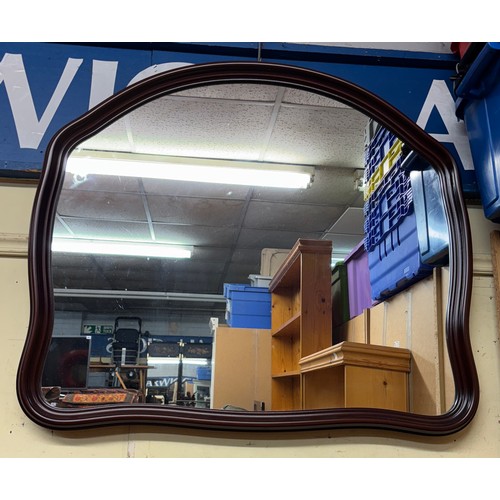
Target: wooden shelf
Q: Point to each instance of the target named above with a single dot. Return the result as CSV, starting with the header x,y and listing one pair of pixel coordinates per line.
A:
x,y
293,373
300,317
307,371
291,327
289,272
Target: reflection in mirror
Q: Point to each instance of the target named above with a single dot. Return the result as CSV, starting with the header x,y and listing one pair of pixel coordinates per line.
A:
x,y
174,276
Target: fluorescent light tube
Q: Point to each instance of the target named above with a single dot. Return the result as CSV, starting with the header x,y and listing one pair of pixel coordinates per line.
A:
x,y
111,247
175,361
83,163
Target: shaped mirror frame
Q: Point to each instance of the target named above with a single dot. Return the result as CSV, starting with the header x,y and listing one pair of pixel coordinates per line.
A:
x,y
42,300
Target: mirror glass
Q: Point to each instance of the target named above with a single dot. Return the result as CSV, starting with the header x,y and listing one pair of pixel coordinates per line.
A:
x,y
134,324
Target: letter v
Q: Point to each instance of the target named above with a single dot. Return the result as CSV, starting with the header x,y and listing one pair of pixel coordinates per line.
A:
x,y
30,130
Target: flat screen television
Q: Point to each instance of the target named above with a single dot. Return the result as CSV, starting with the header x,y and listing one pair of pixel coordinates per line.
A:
x,y
67,363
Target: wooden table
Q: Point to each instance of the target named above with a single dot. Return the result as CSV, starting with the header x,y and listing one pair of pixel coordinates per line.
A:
x,y
142,369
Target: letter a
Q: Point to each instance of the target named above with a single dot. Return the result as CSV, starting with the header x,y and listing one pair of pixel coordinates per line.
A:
x,y
440,97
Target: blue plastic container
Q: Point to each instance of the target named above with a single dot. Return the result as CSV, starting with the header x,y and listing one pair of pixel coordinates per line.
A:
x,y
204,372
387,207
432,226
478,104
247,306
395,264
248,321
391,235
381,154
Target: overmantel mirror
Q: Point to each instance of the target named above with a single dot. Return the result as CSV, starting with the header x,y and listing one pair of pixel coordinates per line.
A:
x,y
214,335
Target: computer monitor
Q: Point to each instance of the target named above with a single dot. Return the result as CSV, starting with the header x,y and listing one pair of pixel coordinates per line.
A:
x,y
67,363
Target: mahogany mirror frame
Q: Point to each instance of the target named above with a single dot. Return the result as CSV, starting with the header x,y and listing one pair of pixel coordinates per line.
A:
x,y
40,328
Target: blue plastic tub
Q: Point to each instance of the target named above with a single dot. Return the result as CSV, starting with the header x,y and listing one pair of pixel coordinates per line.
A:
x,y
394,263
478,104
432,226
387,207
248,321
391,234
204,372
247,306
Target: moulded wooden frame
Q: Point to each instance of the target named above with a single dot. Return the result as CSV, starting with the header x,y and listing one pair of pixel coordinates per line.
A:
x,y
42,301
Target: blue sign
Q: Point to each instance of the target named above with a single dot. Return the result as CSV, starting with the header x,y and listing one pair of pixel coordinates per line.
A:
x,y
43,86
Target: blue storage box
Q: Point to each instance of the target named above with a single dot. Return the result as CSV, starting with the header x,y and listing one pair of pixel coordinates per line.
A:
x,y
395,264
478,104
381,154
432,226
391,235
204,372
247,306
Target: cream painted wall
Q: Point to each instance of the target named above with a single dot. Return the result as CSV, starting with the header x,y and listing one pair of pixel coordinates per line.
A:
x,y
19,437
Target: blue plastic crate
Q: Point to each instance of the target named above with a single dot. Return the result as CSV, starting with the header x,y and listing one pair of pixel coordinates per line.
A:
x,y
246,292
377,149
395,263
391,233
381,155
250,306
248,321
204,372
247,306
387,207
478,104
432,225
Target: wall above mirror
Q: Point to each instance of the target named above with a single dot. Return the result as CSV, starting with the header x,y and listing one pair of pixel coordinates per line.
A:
x,y
227,226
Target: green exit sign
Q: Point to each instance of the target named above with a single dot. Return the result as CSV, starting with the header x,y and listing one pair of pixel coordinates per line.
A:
x,y
97,329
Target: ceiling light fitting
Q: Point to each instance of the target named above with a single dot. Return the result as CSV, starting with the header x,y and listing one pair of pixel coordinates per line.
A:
x,y
82,163
153,360
113,247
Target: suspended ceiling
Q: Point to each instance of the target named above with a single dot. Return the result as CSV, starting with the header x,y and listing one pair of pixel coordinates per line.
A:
x,y
228,226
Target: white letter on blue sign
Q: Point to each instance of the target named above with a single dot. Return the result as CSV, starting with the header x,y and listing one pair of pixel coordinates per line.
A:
x,y
440,97
30,130
103,81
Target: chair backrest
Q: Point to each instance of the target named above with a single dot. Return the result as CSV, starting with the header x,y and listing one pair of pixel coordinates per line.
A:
x,y
127,335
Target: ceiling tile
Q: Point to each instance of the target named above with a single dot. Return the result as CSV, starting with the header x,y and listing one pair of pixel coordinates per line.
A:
x,y
258,238
195,211
350,222
220,129
238,273
195,189
333,137
342,244
238,91
301,97
103,229
290,217
114,137
111,183
195,235
101,205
